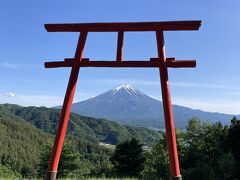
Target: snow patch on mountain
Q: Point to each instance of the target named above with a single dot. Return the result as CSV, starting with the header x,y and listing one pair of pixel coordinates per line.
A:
x,y
127,88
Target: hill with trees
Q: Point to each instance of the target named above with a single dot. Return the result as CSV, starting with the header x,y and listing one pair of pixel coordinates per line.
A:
x,y
27,132
22,145
91,129
206,151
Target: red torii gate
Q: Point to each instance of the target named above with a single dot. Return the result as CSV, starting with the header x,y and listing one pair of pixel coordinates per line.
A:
x,y
161,62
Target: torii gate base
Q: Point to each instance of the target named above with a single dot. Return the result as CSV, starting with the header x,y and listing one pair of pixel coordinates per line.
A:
x,y
161,62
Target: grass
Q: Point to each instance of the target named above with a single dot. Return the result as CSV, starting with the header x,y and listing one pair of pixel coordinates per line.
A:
x,y
103,179
111,178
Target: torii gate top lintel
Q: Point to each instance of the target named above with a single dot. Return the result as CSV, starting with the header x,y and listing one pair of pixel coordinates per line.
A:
x,y
125,26
161,62
122,27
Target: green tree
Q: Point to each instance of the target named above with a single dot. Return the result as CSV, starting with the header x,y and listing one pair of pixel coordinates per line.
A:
x,y
69,161
128,158
204,156
156,165
233,143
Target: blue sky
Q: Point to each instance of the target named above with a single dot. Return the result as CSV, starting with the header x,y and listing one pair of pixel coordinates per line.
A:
x,y
24,46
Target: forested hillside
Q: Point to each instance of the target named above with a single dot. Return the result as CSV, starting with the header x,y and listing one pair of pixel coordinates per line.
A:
x,y
26,131
22,143
206,151
87,128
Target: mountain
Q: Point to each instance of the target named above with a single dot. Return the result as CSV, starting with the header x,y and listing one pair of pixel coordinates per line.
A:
x,y
127,105
84,128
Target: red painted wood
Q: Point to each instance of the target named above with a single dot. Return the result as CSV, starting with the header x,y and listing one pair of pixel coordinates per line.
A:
x,y
167,105
125,26
181,64
67,104
120,46
123,64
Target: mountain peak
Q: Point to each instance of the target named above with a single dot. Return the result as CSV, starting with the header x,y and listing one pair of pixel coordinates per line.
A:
x,y
123,85
127,88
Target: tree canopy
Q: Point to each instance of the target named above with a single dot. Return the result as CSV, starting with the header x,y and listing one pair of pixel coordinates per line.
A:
x,y
128,158
206,151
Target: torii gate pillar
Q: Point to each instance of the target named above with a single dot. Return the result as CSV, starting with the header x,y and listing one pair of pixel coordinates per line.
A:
x,y
168,113
162,63
66,109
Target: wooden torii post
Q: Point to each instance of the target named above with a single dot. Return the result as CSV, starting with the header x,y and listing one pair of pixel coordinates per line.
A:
x,y
161,62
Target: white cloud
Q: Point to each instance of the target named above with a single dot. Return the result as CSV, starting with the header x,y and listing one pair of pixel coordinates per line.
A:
x,y
17,66
31,100
157,83
39,99
236,93
204,85
222,106
9,94
119,81
80,96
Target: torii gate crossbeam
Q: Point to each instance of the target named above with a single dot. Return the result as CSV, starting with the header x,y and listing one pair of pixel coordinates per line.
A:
x,y
161,62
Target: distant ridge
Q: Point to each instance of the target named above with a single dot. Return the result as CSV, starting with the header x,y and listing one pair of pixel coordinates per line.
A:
x,y
127,105
84,128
